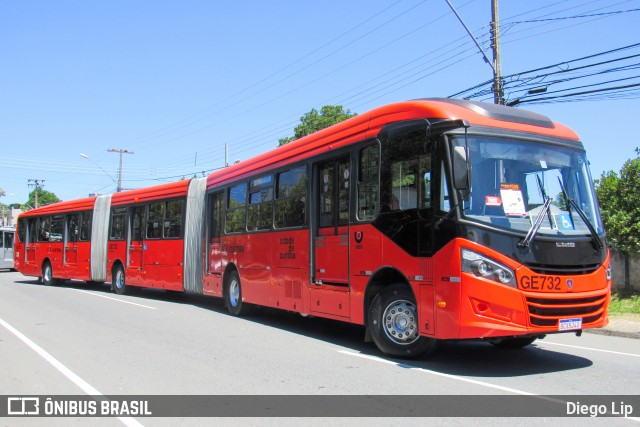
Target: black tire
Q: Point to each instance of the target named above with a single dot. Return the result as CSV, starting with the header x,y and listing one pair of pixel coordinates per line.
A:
x,y
393,324
47,274
118,281
515,342
233,296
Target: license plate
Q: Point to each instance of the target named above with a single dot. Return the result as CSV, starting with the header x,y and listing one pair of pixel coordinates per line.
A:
x,y
570,324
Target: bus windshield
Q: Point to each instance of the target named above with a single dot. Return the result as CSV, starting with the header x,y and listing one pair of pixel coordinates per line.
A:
x,y
516,184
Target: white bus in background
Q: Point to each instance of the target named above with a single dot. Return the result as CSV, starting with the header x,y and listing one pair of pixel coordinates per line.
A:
x,y
6,246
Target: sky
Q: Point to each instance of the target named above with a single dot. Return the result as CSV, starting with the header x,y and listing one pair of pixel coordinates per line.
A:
x,y
172,82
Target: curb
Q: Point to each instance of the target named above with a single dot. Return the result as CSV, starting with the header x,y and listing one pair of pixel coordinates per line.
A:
x,y
623,326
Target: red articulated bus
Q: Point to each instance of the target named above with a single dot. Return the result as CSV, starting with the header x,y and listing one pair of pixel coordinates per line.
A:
x,y
426,220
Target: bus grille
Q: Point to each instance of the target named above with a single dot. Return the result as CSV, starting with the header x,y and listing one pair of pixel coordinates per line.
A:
x,y
563,270
547,311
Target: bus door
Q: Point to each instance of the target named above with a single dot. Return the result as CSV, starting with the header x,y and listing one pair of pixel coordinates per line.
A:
x,y
215,250
71,240
135,255
331,240
7,249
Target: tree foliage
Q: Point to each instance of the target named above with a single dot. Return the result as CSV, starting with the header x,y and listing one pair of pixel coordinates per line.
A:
x,y
314,121
619,199
44,198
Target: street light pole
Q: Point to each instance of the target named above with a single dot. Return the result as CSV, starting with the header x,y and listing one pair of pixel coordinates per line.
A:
x,y
121,152
86,156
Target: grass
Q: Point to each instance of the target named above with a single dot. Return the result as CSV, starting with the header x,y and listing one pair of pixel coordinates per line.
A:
x,y
624,302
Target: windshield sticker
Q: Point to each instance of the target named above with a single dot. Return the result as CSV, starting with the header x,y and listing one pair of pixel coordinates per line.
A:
x,y
565,222
492,201
512,200
543,164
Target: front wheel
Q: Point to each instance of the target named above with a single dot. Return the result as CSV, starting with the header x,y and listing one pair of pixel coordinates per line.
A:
x,y
233,296
118,281
393,323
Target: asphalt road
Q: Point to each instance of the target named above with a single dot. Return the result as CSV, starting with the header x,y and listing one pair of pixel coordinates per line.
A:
x,y
77,340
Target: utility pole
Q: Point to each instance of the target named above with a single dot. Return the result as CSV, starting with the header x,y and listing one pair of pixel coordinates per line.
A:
x,y
498,92
38,184
498,96
121,152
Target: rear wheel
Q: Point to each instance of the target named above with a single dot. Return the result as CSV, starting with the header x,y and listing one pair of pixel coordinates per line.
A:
x,y
233,296
118,281
515,342
393,323
47,274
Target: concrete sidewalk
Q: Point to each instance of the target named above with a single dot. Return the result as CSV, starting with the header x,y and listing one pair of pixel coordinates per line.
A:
x,y
627,326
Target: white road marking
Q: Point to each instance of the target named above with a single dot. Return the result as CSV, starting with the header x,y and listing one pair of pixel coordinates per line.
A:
x,y
463,379
82,384
439,374
543,343
115,299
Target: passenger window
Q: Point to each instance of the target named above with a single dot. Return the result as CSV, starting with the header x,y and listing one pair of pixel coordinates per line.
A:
x,y
173,220
368,183
44,229
118,223
154,222
291,190
85,226
260,203
236,213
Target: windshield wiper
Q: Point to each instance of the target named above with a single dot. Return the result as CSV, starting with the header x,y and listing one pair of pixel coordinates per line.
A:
x,y
538,222
536,225
570,202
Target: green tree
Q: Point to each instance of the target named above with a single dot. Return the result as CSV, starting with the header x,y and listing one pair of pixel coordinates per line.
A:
x,y
619,199
44,198
314,121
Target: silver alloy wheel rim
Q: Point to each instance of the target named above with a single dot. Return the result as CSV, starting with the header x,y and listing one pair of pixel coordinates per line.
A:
x,y
47,274
234,292
119,279
401,322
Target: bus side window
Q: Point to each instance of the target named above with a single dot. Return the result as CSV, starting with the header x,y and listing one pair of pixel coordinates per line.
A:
x,y
236,209
291,196
368,183
22,230
118,223
85,226
45,229
155,220
173,219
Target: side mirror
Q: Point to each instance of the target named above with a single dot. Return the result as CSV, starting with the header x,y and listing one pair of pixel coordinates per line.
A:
x,y
461,171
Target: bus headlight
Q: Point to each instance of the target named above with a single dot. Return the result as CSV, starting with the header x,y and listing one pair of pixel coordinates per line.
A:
x,y
481,266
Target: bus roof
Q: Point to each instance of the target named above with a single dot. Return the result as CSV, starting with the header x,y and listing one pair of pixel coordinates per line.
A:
x,y
62,207
163,191
369,125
